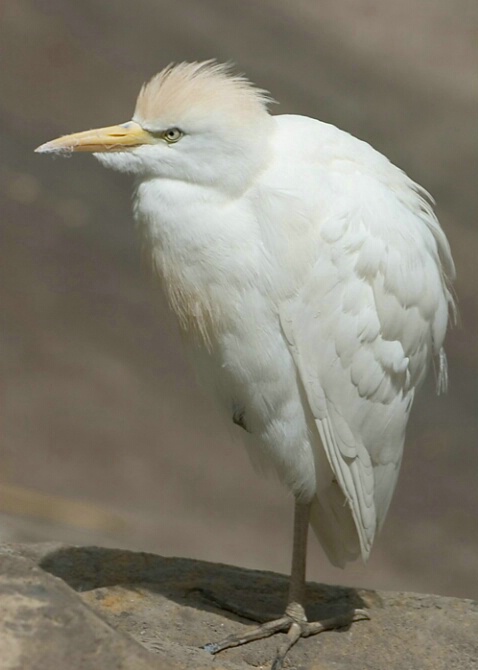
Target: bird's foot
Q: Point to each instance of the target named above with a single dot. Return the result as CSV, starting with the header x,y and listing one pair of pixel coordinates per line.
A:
x,y
294,623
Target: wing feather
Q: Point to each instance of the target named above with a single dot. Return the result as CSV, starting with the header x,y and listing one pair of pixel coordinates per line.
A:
x,y
362,330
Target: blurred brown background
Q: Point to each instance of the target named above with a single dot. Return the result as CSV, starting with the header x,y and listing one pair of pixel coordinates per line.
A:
x,y
104,436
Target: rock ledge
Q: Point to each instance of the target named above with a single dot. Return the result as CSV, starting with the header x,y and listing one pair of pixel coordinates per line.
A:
x,y
88,608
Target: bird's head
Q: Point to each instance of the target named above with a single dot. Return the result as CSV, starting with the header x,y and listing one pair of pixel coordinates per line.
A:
x,y
194,122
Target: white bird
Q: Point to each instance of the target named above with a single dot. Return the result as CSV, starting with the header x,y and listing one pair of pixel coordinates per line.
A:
x,y
312,281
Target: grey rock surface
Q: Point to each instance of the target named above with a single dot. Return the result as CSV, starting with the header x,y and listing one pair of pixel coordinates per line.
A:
x,y
86,608
45,625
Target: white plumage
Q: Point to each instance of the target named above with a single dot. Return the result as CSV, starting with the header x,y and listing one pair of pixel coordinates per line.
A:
x,y
309,274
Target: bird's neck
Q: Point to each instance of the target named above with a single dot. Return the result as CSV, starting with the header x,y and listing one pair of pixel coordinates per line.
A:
x,y
202,246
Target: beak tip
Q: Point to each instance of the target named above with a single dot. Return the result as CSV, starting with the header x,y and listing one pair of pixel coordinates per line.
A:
x,y
52,148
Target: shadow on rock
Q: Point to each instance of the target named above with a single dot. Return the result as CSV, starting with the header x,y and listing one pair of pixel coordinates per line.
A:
x,y
237,592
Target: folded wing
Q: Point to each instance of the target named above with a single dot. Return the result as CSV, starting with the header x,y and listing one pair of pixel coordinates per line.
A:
x,y
362,331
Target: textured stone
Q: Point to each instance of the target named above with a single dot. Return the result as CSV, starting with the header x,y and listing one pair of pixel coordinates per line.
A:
x,y
45,625
87,607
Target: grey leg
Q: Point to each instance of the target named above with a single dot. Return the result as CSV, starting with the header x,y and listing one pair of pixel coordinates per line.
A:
x,y
294,622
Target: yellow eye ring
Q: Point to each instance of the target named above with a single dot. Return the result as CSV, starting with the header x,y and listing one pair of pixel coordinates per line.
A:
x,y
172,135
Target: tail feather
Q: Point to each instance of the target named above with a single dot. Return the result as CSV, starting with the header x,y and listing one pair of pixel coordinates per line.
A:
x,y
334,527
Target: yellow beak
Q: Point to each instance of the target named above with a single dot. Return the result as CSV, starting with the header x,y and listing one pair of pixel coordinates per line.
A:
x,y
114,138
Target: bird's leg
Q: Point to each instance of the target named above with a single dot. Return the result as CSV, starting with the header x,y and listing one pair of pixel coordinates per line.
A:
x,y
294,622
299,556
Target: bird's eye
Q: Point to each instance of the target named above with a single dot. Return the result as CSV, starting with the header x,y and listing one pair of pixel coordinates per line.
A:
x,y
172,135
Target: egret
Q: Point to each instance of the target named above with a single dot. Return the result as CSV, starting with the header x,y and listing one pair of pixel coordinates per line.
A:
x,y
312,281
